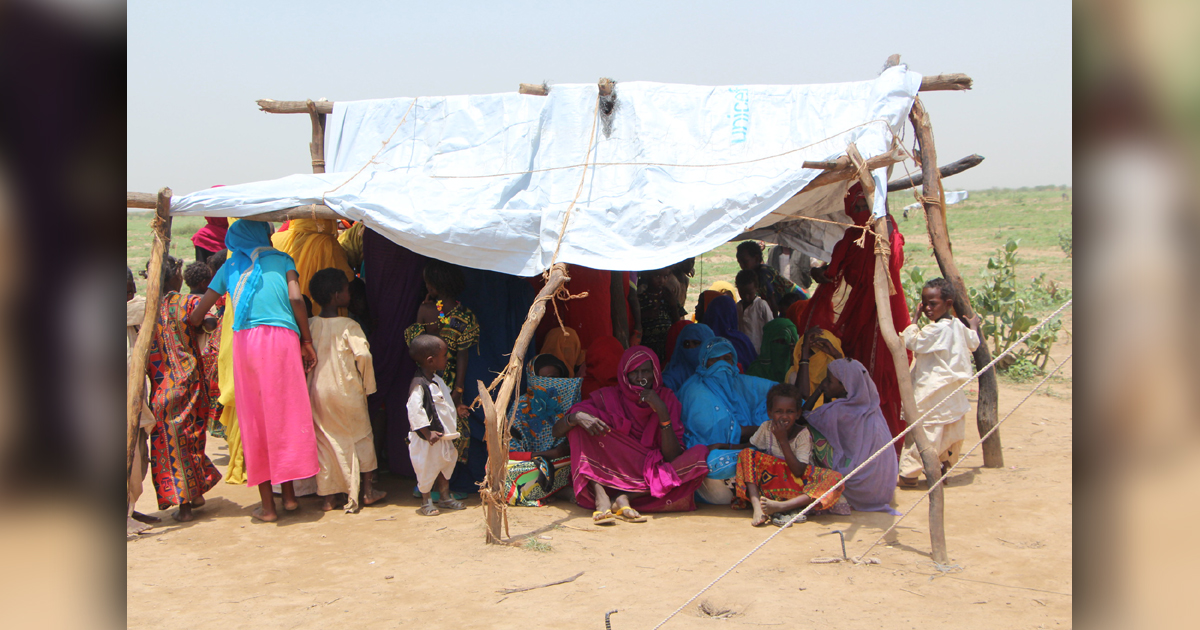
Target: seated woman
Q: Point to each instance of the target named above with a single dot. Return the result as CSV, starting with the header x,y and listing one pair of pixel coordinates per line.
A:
x,y
774,360
779,474
721,410
854,425
811,359
627,453
539,463
721,316
686,356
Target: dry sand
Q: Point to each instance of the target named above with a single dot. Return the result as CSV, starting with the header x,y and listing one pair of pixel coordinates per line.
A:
x,y
1008,533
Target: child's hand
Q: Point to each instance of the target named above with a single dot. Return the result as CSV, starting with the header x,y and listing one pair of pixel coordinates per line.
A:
x,y
463,410
780,428
308,356
434,436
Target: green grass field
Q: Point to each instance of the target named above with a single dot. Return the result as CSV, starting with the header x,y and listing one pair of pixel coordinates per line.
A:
x,y
977,227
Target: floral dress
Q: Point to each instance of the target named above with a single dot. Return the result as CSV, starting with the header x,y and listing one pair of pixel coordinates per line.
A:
x,y
530,479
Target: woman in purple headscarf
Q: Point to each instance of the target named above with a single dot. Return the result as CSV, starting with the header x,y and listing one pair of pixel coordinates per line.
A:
x,y
627,453
721,316
855,428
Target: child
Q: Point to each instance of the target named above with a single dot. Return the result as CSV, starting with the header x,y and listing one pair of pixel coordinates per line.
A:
x,y
753,311
197,276
941,363
777,475
771,286
441,314
659,309
181,470
358,310
432,416
338,387
271,351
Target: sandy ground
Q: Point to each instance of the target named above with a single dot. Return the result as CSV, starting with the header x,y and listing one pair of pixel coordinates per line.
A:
x,y
1008,533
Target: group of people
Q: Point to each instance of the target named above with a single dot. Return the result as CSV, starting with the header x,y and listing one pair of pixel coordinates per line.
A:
x,y
628,409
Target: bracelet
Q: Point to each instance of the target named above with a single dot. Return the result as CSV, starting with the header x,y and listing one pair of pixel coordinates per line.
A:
x,y
805,362
458,389
306,341
665,424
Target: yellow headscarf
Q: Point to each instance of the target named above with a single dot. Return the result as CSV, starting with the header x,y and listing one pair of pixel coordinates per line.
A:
x,y
313,245
566,347
818,363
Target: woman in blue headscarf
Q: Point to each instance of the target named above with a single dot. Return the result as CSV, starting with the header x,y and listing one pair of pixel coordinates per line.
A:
x,y
721,409
272,350
722,317
686,356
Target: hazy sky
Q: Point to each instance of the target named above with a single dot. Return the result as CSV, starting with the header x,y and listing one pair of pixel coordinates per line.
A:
x,y
196,68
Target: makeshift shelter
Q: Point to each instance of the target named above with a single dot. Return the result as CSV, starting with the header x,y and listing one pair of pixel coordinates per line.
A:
x,y
635,176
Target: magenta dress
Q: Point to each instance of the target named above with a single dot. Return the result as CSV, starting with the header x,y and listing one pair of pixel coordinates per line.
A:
x,y
629,457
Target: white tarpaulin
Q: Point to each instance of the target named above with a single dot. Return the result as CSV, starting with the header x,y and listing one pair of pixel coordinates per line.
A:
x,y
676,170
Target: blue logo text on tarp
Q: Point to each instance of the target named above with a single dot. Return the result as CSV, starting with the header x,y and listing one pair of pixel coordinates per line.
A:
x,y
741,114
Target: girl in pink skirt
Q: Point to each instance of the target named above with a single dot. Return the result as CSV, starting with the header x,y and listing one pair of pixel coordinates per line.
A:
x,y
272,350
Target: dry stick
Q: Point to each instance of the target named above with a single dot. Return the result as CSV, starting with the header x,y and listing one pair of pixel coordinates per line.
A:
x,y
141,347
953,168
510,591
963,457
934,199
533,89
886,448
497,425
883,309
141,200
272,106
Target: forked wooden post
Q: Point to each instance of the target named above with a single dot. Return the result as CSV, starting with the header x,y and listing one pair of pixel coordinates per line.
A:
x,y
136,385
495,413
883,307
934,200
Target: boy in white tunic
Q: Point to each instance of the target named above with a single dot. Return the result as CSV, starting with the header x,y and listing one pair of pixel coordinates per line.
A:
x,y
432,418
753,311
941,363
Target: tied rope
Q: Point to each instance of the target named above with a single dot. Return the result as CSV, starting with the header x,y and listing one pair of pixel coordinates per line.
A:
x,y
961,459
885,448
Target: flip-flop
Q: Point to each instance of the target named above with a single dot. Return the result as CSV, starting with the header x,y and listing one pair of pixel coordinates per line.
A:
x,y
620,512
451,504
606,518
780,519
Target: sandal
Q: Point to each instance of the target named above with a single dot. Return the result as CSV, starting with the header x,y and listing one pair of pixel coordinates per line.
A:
x,y
620,512
451,504
428,510
780,519
606,518
906,482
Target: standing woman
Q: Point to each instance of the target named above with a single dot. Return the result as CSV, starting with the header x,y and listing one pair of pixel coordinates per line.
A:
x,y
272,349
179,399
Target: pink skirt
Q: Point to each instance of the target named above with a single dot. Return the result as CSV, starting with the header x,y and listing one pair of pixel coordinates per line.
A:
x,y
274,414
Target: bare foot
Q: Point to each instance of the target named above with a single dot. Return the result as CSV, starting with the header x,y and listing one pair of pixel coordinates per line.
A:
x,y
758,519
198,502
327,504
145,518
771,507
184,514
264,516
291,506
373,497
134,527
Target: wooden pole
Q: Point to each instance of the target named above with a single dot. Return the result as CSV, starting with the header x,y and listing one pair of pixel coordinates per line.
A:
x,y
939,237
883,307
533,89
136,386
849,172
272,106
316,147
946,82
494,413
141,200
953,168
